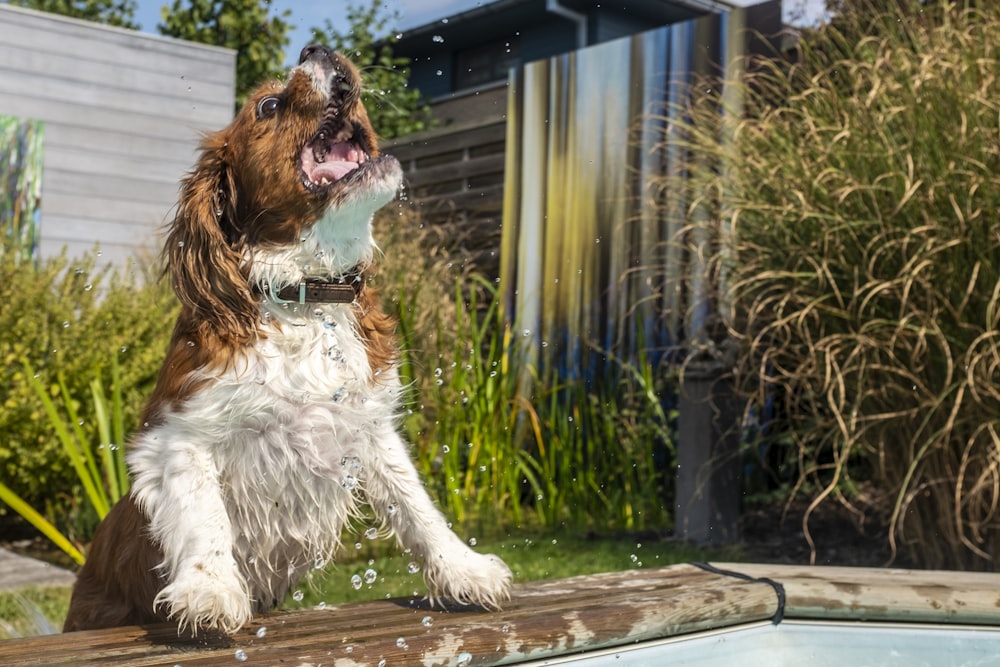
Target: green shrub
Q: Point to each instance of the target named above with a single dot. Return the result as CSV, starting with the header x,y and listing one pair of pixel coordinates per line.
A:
x,y
857,201
71,318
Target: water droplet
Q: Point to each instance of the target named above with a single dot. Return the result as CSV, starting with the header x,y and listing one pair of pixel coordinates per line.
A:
x,y
505,628
65,324
350,482
319,562
321,605
472,541
634,558
446,449
437,39
401,643
240,655
88,287
338,395
329,323
371,533
261,632
413,567
391,510
356,582
298,595
381,663
370,576
464,659
426,621
349,649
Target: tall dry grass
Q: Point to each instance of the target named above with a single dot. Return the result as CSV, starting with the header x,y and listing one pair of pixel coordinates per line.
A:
x,y
856,206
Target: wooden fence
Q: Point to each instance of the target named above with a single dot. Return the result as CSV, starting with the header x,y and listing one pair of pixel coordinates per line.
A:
x,y
122,114
454,179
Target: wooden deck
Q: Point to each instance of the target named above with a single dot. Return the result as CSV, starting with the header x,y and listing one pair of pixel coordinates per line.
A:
x,y
544,620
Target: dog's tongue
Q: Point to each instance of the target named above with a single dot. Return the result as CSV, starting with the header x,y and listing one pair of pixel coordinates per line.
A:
x,y
338,160
332,171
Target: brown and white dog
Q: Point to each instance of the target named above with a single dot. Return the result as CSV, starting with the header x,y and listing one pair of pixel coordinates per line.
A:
x,y
274,416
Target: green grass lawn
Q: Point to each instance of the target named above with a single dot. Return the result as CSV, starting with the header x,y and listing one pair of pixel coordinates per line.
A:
x,y
375,569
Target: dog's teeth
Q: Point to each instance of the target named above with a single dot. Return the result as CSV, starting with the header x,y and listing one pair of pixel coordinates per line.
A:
x,y
324,181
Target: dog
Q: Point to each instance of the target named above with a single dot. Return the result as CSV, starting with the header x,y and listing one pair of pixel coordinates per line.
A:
x,y
273,420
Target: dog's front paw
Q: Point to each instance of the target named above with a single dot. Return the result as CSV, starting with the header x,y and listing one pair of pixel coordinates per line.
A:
x,y
470,578
199,598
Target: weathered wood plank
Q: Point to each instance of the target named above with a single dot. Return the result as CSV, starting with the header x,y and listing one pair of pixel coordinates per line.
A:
x,y
461,169
104,101
154,146
129,212
143,237
61,35
543,620
489,198
445,140
889,594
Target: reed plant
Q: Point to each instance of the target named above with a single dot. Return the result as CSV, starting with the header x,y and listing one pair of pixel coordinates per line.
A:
x,y
855,206
503,443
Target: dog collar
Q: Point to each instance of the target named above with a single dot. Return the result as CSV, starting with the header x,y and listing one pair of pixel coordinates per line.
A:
x,y
343,290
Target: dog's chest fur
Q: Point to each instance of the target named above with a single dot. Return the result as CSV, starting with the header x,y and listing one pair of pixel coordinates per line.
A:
x,y
294,422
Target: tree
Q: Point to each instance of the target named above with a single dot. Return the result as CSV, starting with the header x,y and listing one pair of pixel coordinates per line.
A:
x,y
119,14
244,25
395,108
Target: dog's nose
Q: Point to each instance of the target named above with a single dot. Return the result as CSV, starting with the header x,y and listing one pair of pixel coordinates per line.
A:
x,y
315,52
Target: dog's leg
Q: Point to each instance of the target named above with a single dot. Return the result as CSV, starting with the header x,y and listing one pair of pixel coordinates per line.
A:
x,y
451,568
177,485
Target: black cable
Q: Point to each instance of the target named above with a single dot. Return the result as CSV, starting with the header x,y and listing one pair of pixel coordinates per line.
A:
x,y
779,590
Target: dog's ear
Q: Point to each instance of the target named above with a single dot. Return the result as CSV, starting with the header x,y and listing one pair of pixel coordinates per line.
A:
x,y
204,249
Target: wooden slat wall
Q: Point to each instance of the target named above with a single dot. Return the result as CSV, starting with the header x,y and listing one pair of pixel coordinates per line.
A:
x,y
123,113
454,176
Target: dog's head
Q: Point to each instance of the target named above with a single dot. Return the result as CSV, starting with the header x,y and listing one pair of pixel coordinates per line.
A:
x,y
285,193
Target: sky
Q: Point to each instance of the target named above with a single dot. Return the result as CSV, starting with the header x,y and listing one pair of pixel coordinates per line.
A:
x,y
309,13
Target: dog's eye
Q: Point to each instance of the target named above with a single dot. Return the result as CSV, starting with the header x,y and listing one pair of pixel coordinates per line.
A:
x,y
267,107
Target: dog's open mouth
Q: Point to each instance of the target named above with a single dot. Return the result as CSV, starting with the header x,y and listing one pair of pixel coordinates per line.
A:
x,y
326,160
